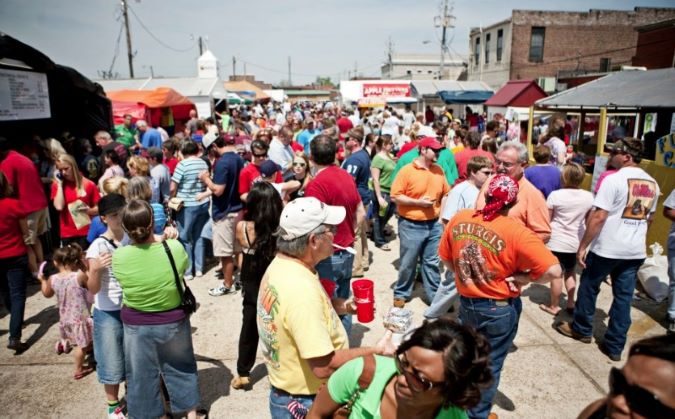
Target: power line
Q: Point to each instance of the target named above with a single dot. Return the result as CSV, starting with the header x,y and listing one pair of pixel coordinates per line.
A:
x,y
159,41
117,48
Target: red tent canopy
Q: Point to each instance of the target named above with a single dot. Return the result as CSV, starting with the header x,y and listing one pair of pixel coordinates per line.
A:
x,y
162,106
517,93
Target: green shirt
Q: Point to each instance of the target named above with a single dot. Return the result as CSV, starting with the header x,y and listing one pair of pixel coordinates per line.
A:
x,y
386,167
145,274
446,160
345,381
124,135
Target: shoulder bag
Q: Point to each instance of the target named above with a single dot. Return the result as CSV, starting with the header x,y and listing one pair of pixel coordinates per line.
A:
x,y
188,302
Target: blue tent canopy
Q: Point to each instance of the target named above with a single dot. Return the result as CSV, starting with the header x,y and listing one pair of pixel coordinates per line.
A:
x,y
465,96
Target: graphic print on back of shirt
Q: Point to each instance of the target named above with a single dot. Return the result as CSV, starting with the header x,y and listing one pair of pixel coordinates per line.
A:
x,y
268,307
641,195
475,239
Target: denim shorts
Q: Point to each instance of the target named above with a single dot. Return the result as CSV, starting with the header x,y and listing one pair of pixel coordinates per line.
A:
x,y
154,350
109,346
279,400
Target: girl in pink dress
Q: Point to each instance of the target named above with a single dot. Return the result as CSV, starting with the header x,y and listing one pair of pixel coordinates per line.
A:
x,y
75,323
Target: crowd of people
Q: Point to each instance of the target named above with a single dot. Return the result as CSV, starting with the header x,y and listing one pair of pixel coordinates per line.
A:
x,y
279,196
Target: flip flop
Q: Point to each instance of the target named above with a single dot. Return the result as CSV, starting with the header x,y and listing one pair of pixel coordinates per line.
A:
x,y
82,373
547,309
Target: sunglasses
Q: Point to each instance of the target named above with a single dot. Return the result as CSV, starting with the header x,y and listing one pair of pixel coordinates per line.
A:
x,y
639,400
299,164
486,172
417,383
260,155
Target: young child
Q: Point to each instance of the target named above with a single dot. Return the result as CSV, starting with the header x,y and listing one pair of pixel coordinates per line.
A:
x,y
75,323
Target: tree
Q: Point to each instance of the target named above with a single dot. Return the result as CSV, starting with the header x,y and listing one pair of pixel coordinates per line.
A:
x,y
323,81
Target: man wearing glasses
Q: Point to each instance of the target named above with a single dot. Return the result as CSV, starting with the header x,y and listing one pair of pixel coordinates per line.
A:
x,y
280,150
418,191
614,244
530,209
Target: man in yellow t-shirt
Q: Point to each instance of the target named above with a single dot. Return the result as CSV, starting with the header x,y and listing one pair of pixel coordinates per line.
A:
x,y
303,340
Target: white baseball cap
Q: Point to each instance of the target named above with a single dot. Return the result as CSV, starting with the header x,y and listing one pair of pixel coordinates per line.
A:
x,y
303,215
209,139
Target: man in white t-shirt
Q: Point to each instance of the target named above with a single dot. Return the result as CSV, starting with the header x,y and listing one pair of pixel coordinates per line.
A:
x,y
669,213
462,196
614,244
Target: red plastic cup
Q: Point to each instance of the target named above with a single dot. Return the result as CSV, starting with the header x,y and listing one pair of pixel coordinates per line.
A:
x,y
329,286
364,298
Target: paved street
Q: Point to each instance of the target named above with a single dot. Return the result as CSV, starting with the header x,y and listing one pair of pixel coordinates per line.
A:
x,y
548,375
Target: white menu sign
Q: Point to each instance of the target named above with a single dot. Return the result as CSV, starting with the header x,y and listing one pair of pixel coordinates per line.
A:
x,y
23,95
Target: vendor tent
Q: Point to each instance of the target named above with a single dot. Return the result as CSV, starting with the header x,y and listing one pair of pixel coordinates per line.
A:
x,y
515,98
48,99
159,107
246,88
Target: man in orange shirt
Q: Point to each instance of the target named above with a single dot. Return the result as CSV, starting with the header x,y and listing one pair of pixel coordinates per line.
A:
x,y
530,209
418,190
492,255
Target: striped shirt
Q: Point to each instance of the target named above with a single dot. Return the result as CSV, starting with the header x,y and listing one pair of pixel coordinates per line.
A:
x,y
186,177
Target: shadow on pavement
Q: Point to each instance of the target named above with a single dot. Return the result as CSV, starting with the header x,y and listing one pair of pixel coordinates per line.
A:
x,y
45,319
214,382
356,335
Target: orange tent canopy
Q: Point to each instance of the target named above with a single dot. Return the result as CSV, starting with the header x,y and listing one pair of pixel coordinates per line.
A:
x,y
161,97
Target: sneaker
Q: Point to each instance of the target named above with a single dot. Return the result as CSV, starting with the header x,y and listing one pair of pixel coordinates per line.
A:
x,y
239,383
565,328
16,345
58,347
221,290
188,277
399,302
237,285
116,413
199,274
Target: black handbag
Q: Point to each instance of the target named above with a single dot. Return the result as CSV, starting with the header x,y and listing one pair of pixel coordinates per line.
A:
x,y
188,302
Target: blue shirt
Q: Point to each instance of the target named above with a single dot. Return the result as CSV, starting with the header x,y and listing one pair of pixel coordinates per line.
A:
x,y
96,228
305,138
545,178
226,172
358,166
151,138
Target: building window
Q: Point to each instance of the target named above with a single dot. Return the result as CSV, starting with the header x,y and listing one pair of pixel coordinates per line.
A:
x,y
605,65
408,72
537,44
500,44
487,48
476,52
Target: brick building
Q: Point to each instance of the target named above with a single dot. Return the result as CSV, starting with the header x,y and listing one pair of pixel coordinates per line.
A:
x,y
656,45
544,44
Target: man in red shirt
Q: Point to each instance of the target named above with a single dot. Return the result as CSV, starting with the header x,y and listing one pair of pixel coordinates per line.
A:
x,y
251,173
344,123
334,186
472,142
23,177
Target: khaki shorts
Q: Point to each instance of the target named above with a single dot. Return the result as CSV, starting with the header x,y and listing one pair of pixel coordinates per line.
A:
x,y
224,236
37,225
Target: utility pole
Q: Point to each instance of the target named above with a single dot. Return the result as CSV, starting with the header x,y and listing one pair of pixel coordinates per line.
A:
x,y
130,53
390,53
200,46
445,21
290,82
234,68
356,69
245,73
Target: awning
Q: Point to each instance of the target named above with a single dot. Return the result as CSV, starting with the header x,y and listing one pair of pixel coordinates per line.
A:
x,y
235,99
465,96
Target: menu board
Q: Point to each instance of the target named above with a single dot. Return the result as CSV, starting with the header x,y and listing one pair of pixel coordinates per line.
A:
x,y
23,95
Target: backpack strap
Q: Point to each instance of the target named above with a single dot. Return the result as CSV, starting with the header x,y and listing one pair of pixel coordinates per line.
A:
x,y
368,371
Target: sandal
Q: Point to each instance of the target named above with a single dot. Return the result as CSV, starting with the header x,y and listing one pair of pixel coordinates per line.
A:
x,y
384,247
549,310
83,373
202,414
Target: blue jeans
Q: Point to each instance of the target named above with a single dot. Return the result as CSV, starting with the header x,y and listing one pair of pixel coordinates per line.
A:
x,y
338,268
380,222
191,221
279,400
419,239
624,275
109,346
498,322
13,274
444,299
151,350
671,293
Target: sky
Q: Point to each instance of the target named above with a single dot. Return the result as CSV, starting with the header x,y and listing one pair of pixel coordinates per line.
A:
x,y
326,38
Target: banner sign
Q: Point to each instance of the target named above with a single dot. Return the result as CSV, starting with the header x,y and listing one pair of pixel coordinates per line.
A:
x,y
23,95
386,90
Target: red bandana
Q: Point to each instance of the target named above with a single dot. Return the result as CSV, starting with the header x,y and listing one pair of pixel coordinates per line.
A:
x,y
501,192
